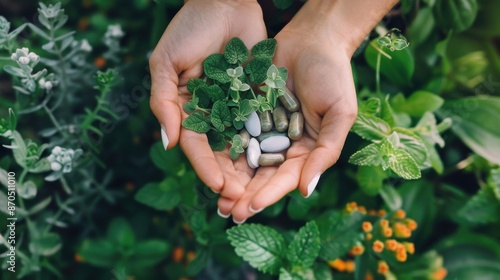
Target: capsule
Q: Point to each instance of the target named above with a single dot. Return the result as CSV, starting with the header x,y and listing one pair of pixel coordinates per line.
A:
x,y
271,133
266,121
289,101
280,119
296,127
245,138
271,159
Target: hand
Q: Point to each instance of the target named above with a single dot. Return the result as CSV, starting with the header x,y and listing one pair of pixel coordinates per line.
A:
x,y
201,28
320,75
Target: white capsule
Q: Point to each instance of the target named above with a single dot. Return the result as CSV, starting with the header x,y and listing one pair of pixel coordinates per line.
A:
x,y
275,144
253,153
253,124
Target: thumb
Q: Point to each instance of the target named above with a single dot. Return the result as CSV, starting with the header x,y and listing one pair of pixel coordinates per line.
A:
x,y
164,101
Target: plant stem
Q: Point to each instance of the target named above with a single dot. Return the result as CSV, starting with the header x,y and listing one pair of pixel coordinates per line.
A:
x,y
377,73
55,122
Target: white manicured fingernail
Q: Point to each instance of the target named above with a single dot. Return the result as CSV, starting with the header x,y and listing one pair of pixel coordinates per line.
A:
x,y
238,222
164,137
222,215
312,185
253,210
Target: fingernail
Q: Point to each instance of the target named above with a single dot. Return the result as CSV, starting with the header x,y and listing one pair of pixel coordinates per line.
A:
x,y
214,190
253,210
238,222
312,185
222,215
164,137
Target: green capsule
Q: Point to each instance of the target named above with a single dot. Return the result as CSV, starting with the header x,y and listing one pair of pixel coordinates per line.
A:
x,y
271,159
296,127
272,133
280,119
289,101
245,138
266,121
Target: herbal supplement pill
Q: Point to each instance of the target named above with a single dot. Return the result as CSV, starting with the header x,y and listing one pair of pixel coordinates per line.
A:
x,y
266,121
271,133
245,138
275,144
296,127
253,124
271,159
253,153
289,101
280,119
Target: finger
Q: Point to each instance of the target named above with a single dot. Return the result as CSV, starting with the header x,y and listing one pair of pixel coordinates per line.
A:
x,y
202,158
224,206
234,180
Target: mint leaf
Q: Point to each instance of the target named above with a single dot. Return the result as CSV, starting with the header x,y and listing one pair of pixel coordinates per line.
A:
x,y
248,106
194,84
203,95
261,246
305,246
150,252
220,116
216,140
419,103
264,49
196,122
191,106
428,130
161,196
236,147
338,233
215,67
370,127
370,179
403,164
257,69
369,155
482,208
236,52
370,106
386,112
216,93
413,144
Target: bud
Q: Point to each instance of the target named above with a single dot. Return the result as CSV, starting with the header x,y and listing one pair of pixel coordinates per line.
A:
x,y
367,226
400,214
337,264
382,267
391,244
350,266
357,250
378,246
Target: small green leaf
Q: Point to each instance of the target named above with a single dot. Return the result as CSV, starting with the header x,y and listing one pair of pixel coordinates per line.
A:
x,y
121,233
386,112
215,67
456,15
399,69
101,253
403,164
220,116
370,179
194,84
370,127
191,106
414,145
162,196
257,69
419,103
149,253
305,246
369,155
264,49
216,93
261,246
236,52
371,106
298,207
196,122
216,140
27,190
46,244
482,208
391,197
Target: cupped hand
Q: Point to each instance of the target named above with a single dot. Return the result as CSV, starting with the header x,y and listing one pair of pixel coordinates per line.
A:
x,y
200,28
320,75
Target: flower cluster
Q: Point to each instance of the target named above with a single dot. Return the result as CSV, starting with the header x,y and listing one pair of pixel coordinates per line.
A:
x,y
51,11
61,161
24,57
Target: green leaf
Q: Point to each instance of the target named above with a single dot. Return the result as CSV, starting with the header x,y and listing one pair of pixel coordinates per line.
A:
x,y
422,26
196,122
167,161
403,165
101,253
469,117
399,69
482,208
386,112
370,127
371,106
27,190
220,116
257,69
199,262
215,67
413,145
121,233
339,233
298,206
191,106
236,52
261,246
369,155
149,253
494,182
419,103
216,93
264,49
370,179
391,197
305,246
162,196
194,84
46,245
456,15
283,4
216,140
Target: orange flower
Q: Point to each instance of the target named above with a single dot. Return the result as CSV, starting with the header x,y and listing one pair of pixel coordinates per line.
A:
x,y
100,62
391,244
368,236
387,232
378,246
372,212
383,267
384,223
439,274
401,256
362,209
367,226
178,254
369,276
400,214
410,247
351,207
401,230
350,266
411,224
338,264
357,250
381,213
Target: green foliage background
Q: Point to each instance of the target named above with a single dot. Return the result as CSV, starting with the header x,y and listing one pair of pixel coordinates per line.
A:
x,y
137,210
